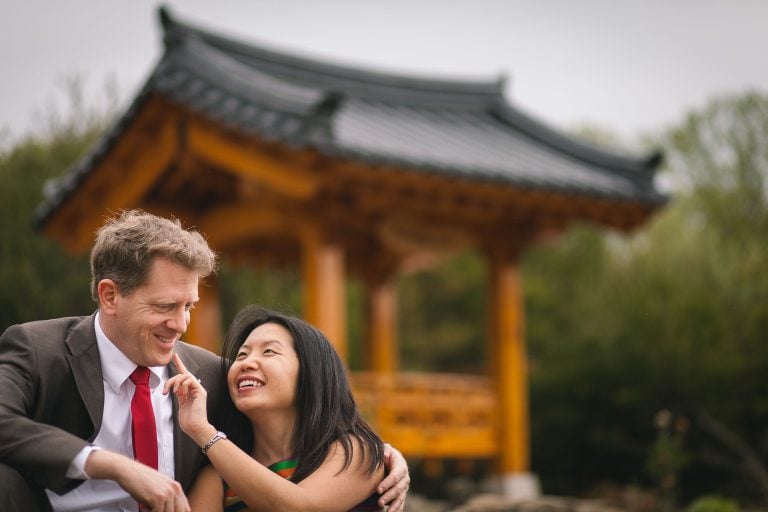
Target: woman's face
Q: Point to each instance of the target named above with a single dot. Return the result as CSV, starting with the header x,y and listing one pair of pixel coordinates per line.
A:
x,y
265,371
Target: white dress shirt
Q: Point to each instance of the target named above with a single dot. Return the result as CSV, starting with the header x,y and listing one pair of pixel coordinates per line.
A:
x,y
115,433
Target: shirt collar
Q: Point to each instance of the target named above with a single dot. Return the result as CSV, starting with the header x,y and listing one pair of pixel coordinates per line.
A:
x,y
116,367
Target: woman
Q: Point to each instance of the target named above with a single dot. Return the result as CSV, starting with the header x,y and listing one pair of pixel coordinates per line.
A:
x,y
287,380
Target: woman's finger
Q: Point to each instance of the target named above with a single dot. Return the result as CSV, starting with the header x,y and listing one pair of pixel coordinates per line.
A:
x,y
171,383
179,365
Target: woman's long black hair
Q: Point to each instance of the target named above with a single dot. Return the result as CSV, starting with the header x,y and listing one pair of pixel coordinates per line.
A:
x,y
326,410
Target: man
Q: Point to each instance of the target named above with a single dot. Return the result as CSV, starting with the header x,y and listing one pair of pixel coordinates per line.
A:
x,y
83,421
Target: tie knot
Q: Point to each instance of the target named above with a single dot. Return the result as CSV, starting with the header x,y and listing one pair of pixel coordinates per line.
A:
x,y
140,376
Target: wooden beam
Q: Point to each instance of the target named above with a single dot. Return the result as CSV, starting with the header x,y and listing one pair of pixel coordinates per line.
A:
x,y
228,225
205,328
216,148
381,339
404,235
508,360
119,181
324,287
459,200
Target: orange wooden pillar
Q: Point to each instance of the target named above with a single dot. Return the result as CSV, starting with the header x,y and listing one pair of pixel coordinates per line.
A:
x,y
382,353
205,320
324,287
509,369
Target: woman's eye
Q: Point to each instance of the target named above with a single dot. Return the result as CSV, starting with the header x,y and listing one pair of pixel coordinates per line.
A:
x,y
240,355
270,351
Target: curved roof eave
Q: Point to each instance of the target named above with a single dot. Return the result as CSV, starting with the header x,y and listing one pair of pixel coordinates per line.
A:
x,y
635,167
306,92
56,190
428,92
333,76
649,197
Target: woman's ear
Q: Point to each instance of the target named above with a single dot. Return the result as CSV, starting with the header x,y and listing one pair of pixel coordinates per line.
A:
x,y
107,292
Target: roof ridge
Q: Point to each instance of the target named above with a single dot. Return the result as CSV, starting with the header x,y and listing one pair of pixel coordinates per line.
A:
x,y
480,89
235,76
634,166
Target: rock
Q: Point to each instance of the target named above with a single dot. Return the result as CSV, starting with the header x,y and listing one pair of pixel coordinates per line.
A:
x,y
498,503
417,503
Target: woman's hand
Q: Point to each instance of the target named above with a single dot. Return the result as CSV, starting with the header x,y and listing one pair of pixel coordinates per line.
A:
x,y
193,417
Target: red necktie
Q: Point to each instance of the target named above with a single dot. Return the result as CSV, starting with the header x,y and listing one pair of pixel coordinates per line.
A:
x,y
143,420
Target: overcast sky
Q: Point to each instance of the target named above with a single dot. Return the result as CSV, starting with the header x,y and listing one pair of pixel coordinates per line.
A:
x,y
631,66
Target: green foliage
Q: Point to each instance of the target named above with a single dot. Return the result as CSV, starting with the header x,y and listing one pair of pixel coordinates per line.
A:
x,y
240,285
39,279
672,317
713,504
443,317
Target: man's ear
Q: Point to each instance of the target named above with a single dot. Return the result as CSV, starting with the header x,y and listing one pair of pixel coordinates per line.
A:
x,y
108,292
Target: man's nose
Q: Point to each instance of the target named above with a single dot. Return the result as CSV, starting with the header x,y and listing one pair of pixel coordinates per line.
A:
x,y
179,320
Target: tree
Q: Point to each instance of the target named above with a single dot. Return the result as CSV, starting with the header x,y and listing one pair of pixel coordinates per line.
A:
x,y
39,280
671,317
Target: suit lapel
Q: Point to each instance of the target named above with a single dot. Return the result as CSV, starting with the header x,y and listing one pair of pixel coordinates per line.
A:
x,y
185,451
83,358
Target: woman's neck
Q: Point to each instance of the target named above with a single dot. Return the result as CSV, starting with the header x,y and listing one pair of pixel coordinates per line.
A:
x,y
273,436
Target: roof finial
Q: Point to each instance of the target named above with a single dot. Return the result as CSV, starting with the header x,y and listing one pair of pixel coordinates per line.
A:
x,y
501,82
164,14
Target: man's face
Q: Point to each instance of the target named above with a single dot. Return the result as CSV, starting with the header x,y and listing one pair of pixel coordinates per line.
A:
x,y
147,323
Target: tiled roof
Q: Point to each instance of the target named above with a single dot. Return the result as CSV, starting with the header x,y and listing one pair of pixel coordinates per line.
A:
x,y
455,128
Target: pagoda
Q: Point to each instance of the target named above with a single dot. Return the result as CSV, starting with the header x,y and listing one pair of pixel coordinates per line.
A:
x,y
337,172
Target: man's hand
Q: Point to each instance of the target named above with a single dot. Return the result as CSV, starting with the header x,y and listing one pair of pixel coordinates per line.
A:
x,y
152,490
395,486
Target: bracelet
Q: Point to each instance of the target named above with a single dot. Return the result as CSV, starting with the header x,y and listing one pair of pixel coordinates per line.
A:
x,y
218,436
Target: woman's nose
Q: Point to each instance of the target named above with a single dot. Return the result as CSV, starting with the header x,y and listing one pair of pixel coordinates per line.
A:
x,y
251,362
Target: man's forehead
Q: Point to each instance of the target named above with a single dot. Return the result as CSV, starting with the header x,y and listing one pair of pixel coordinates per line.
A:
x,y
161,292
165,273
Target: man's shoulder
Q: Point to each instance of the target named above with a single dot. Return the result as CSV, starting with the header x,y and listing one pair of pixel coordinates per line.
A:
x,y
197,354
55,338
53,325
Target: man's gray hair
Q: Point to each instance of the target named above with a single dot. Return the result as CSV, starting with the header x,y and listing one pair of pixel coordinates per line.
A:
x,y
128,244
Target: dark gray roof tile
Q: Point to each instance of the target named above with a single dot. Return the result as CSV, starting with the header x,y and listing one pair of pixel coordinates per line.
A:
x,y
456,128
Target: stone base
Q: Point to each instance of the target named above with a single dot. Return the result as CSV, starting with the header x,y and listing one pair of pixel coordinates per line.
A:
x,y
515,485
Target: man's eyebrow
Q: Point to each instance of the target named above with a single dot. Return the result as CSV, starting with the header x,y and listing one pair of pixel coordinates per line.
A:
x,y
172,301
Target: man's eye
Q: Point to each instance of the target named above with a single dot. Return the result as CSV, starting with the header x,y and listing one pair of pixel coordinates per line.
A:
x,y
189,307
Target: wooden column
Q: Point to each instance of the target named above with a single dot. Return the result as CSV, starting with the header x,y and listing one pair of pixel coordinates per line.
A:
x,y
382,352
324,287
509,363
205,320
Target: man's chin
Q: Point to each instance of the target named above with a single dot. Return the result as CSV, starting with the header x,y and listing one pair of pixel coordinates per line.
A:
x,y
164,356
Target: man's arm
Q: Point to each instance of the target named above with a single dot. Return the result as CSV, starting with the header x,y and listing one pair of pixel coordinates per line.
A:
x,y
40,451
153,490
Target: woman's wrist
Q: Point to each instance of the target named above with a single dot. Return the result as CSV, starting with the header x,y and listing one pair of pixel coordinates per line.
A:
x,y
218,436
204,434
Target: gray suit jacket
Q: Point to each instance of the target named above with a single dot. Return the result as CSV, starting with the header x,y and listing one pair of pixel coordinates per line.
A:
x,y
52,399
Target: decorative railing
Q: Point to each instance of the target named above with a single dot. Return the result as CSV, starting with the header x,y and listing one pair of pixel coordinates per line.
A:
x,y
431,415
